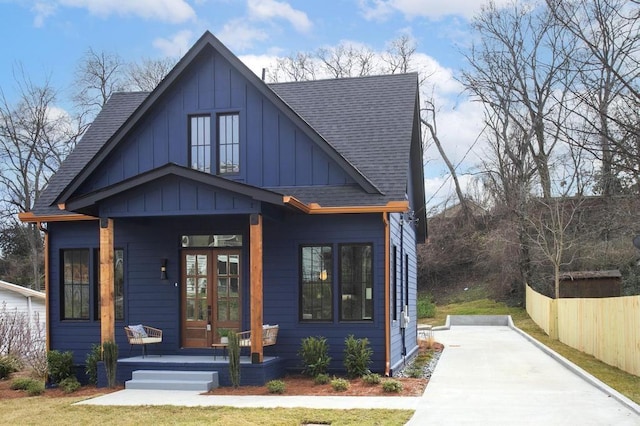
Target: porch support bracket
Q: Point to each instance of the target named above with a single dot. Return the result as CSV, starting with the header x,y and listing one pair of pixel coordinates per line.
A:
x,y
107,307
255,259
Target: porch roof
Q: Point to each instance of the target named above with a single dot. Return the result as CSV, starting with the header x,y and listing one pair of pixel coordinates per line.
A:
x,y
88,203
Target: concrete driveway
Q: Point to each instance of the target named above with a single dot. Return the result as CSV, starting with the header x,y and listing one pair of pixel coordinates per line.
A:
x,y
494,375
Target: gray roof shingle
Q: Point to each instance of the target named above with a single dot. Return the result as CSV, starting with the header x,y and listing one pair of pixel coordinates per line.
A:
x,y
369,120
119,107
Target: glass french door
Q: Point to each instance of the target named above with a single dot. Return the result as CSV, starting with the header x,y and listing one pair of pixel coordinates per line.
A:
x,y
211,295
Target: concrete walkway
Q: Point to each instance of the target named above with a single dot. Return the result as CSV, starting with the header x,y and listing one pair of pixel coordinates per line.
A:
x,y
500,376
487,375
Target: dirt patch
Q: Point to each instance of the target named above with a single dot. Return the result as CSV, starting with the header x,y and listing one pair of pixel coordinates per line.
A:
x,y
302,385
294,385
85,391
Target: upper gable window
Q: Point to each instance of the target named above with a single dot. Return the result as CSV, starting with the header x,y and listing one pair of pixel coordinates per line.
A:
x,y
200,142
228,143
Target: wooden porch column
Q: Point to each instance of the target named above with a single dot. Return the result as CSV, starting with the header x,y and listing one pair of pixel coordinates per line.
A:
x,y
107,307
255,259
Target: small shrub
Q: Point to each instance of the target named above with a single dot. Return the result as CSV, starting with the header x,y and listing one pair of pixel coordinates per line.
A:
x,y
415,372
8,365
426,307
70,385
91,363
321,379
60,365
392,386
357,356
371,379
276,386
314,352
22,383
339,385
35,388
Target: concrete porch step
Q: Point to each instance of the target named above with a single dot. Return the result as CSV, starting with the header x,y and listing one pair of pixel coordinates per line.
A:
x,y
173,380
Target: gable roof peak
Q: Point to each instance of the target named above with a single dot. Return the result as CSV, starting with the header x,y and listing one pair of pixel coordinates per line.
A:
x,y
205,41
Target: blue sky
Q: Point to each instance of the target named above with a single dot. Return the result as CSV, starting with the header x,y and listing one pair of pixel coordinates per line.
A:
x,y
49,37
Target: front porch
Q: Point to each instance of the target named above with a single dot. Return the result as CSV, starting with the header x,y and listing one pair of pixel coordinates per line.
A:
x,y
251,374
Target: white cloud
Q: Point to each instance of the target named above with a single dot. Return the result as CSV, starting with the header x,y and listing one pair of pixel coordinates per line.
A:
x,y
173,11
432,9
239,34
175,46
257,62
42,10
265,10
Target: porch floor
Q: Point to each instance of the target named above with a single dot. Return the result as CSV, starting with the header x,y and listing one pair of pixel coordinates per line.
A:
x,y
272,367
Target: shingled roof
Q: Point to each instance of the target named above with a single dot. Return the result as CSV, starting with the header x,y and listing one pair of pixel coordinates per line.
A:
x,y
119,107
367,119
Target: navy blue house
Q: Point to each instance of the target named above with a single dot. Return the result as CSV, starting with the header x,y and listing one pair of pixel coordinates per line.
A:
x,y
218,201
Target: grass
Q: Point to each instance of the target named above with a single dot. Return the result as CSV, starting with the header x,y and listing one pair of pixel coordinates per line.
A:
x,y
625,383
60,411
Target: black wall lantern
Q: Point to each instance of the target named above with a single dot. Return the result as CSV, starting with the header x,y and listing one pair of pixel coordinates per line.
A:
x,y
163,269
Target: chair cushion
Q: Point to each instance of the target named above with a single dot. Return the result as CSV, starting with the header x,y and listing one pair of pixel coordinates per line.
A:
x,y
138,331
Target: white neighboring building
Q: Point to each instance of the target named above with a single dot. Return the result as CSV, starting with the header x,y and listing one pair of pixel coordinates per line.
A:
x,y
24,300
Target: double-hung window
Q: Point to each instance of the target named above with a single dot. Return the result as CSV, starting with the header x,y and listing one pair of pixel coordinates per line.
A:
x,y
75,284
81,284
228,143
200,142
316,283
118,284
356,282
227,148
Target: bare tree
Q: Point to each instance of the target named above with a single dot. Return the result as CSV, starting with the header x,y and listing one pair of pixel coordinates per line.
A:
x,y
608,69
521,60
346,60
398,55
148,73
296,67
35,137
429,121
99,74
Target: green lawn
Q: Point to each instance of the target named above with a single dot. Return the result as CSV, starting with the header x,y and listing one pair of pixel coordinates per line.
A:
x,y
625,383
60,411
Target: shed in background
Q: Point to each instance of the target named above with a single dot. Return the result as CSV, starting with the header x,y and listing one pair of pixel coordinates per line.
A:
x,y
591,284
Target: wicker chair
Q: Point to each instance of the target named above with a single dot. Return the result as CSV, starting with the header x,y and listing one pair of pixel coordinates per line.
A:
x,y
269,336
142,335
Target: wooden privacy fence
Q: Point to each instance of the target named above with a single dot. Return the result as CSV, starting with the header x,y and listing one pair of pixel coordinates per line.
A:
x,y
607,328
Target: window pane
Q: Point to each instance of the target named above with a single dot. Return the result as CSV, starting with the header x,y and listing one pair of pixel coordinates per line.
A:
x,y
200,140
75,277
356,282
211,241
229,143
316,283
118,284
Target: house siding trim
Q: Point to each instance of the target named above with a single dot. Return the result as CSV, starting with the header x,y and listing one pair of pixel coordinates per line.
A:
x,y
387,294
315,208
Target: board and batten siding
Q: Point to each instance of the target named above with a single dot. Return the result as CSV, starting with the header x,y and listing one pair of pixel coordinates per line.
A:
x,y
174,196
273,151
402,236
